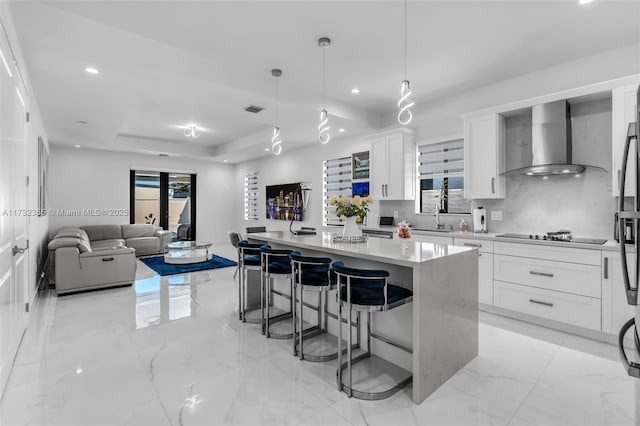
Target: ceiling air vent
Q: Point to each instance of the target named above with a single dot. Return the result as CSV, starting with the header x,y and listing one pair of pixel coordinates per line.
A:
x,y
163,155
253,108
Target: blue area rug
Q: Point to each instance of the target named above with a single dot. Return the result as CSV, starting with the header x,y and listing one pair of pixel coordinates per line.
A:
x,y
157,264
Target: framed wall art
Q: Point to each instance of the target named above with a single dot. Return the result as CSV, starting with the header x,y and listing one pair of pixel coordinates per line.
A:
x,y
360,165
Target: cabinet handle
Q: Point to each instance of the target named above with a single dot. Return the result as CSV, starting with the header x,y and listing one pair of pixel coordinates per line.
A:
x,y
382,189
539,302
386,190
543,274
493,185
107,259
606,268
472,245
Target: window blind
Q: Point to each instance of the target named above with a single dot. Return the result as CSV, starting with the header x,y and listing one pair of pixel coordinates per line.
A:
x,y
336,181
251,196
441,160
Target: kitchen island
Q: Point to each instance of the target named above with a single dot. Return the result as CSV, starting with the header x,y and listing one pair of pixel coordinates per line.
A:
x,y
443,319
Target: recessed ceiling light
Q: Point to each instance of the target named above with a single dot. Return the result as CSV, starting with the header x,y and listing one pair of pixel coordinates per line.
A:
x,y
77,146
225,161
267,149
584,1
355,90
92,70
341,129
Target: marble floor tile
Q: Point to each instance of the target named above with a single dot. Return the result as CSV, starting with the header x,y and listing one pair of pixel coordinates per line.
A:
x,y
592,391
260,394
171,351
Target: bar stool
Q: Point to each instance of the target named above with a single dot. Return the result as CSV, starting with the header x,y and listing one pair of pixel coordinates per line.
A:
x,y
312,274
248,260
275,264
366,290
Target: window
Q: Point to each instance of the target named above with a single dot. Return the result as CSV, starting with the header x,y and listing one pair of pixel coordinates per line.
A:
x,y
441,175
251,196
336,181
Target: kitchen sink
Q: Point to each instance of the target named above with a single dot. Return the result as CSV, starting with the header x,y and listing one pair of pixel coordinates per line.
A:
x,y
431,230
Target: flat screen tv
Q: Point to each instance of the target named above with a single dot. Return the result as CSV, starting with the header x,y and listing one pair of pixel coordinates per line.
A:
x,y
360,188
284,202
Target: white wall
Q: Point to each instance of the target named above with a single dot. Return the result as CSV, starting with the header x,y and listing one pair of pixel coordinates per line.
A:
x,y
37,226
300,165
93,179
442,118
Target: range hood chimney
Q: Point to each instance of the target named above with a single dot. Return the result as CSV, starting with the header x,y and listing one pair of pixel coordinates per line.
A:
x,y
551,142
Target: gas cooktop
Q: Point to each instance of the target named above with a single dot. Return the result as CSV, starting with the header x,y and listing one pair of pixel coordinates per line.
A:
x,y
535,237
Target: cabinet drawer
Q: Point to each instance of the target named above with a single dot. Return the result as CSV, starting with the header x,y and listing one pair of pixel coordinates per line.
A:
x,y
549,252
558,276
484,246
568,308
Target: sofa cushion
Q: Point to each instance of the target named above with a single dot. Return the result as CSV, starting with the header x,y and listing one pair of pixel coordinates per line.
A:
x,y
138,230
102,244
103,232
144,245
72,232
81,244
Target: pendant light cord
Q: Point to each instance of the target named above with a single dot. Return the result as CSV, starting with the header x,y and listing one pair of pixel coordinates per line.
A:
x,y
324,77
276,101
405,39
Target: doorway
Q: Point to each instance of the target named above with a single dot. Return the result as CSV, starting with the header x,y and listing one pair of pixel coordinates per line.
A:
x,y
166,199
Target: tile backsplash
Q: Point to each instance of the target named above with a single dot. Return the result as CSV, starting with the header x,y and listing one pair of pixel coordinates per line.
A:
x,y
581,204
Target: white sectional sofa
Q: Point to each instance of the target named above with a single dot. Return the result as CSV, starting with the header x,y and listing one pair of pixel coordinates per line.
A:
x,y
101,256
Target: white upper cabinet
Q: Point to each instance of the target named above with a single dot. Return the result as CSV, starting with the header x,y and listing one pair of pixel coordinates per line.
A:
x,y
393,165
484,157
623,109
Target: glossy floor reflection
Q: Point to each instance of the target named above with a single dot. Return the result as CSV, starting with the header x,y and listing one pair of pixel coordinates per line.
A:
x,y
170,351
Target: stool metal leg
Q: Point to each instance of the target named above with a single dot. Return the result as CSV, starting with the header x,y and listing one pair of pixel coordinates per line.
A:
x,y
294,313
262,301
301,330
339,341
349,354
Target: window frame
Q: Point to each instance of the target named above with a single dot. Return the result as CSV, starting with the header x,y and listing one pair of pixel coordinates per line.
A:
x,y
249,196
419,179
345,182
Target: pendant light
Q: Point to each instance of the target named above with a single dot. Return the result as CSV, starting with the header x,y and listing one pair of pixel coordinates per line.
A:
x,y
323,127
405,103
276,142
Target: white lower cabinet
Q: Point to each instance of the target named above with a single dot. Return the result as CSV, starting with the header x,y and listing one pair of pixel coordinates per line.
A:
x,y
485,266
557,283
572,309
615,309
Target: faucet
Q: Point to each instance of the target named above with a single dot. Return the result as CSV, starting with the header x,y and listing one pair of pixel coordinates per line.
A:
x,y
439,225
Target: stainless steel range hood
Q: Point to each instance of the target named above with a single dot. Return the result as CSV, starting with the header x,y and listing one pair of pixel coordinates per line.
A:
x,y
551,142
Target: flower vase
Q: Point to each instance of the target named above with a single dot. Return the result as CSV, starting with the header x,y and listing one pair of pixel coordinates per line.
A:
x,y
351,227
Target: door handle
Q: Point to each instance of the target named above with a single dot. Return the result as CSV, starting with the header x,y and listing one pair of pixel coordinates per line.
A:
x,y
633,368
15,249
542,274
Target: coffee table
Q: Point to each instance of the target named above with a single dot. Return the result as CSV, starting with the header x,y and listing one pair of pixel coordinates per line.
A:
x,y
182,252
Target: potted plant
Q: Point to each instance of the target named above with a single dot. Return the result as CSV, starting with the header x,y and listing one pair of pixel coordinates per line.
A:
x,y
352,209
444,193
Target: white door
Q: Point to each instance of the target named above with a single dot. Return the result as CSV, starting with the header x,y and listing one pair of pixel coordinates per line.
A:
x,y
13,222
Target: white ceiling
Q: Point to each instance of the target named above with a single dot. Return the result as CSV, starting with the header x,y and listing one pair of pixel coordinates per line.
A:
x,y
167,63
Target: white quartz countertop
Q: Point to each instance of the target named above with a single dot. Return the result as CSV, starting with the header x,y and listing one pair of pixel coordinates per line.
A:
x,y
610,245
398,252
